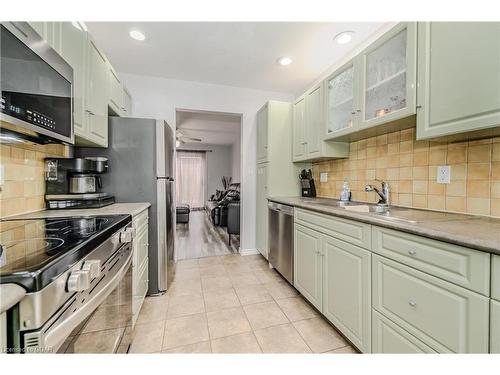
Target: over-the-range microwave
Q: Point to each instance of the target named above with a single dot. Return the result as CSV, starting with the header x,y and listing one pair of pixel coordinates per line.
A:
x,y
36,87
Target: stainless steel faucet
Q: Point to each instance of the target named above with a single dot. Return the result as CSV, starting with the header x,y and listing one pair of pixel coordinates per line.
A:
x,y
384,194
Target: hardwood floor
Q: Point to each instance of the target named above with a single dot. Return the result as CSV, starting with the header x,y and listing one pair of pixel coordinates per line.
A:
x,y
200,238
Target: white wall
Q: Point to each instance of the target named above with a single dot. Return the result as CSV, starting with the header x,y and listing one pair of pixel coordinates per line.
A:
x,y
155,97
236,162
219,163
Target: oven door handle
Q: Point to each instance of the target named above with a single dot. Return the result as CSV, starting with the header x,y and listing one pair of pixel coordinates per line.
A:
x,y
56,335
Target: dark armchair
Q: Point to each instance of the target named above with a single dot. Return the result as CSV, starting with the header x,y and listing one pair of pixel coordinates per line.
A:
x,y
233,219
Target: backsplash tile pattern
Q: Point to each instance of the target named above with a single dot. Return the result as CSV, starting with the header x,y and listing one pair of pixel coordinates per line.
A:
x,y
410,167
24,186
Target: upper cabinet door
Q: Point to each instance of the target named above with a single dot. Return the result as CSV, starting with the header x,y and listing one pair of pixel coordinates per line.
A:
x,y
299,142
458,77
115,91
262,124
314,120
72,45
341,101
388,76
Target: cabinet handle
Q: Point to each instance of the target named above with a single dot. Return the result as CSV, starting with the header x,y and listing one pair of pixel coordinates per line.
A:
x,y
419,106
353,112
358,110
412,252
412,303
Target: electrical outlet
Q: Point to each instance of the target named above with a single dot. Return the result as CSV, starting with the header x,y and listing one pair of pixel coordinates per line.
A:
x,y
323,177
443,174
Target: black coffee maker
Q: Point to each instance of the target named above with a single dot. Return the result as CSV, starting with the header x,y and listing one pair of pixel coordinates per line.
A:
x,y
75,183
307,183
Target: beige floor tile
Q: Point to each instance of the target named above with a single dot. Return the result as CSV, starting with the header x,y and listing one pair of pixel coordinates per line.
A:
x,y
227,322
216,283
242,343
237,268
345,350
185,287
252,294
232,259
212,271
281,290
319,335
187,274
199,347
265,314
243,278
221,299
185,330
185,305
267,276
148,337
295,308
210,261
186,264
281,339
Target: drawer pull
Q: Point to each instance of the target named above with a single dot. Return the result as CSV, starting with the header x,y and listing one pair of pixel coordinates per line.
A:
x,y
412,252
412,303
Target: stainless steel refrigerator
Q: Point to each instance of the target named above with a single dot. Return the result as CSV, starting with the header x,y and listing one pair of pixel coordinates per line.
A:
x,y
141,157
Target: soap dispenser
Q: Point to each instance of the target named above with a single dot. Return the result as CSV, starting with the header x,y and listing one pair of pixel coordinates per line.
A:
x,y
345,194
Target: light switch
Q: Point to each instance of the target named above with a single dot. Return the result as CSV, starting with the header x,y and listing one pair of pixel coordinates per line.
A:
x,y
443,174
323,177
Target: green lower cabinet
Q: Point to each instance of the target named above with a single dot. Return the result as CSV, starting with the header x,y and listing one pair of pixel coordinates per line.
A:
x,y
347,290
495,326
444,316
389,338
308,270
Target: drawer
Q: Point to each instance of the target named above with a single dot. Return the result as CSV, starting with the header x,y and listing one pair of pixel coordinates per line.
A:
x,y
141,247
459,265
354,232
495,277
388,337
444,316
495,327
140,220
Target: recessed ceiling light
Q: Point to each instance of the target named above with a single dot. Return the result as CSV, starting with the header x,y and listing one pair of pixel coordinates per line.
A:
x,y
284,61
137,35
344,37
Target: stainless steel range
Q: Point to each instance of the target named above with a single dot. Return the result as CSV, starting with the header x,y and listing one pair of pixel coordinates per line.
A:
x,y
77,275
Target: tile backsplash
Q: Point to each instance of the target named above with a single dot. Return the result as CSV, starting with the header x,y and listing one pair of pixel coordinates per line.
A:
x,y
410,167
23,186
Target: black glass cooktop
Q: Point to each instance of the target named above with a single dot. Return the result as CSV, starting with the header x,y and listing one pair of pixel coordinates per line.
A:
x,y
30,248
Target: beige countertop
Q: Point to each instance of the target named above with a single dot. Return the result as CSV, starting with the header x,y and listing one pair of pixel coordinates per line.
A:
x,y
113,209
475,232
10,294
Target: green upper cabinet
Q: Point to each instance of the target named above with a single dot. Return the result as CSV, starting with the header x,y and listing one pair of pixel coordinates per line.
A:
x,y
73,49
299,129
458,77
309,125
262,133
341,100
115,91
387,71
127,103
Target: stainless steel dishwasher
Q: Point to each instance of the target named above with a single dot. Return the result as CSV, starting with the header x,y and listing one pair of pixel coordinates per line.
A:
x,y
281,239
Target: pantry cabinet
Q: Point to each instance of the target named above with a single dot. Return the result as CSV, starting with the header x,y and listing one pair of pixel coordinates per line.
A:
x,y
261,208
140,260
262,134
299,129
347,290
458,76
308,264
387,68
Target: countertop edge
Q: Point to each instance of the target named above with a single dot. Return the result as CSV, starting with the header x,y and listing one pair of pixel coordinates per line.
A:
x,y
452,238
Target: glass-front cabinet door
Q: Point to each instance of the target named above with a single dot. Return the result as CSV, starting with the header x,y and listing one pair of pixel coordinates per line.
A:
x,y
341,101
388,77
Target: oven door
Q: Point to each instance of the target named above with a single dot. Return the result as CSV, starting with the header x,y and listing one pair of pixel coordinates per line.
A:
x,y
36,86
95,320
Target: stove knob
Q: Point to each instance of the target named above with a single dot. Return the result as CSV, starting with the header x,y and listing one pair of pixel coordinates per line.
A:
x,y
94,268
127,235
78,281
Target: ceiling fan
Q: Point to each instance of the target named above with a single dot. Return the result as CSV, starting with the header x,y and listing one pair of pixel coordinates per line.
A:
x,y
180,139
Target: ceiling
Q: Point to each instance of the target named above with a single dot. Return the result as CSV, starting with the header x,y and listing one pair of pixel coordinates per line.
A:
x,y
213,128
241,54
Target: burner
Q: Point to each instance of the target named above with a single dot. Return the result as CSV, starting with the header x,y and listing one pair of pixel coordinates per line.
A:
x,y
34,246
